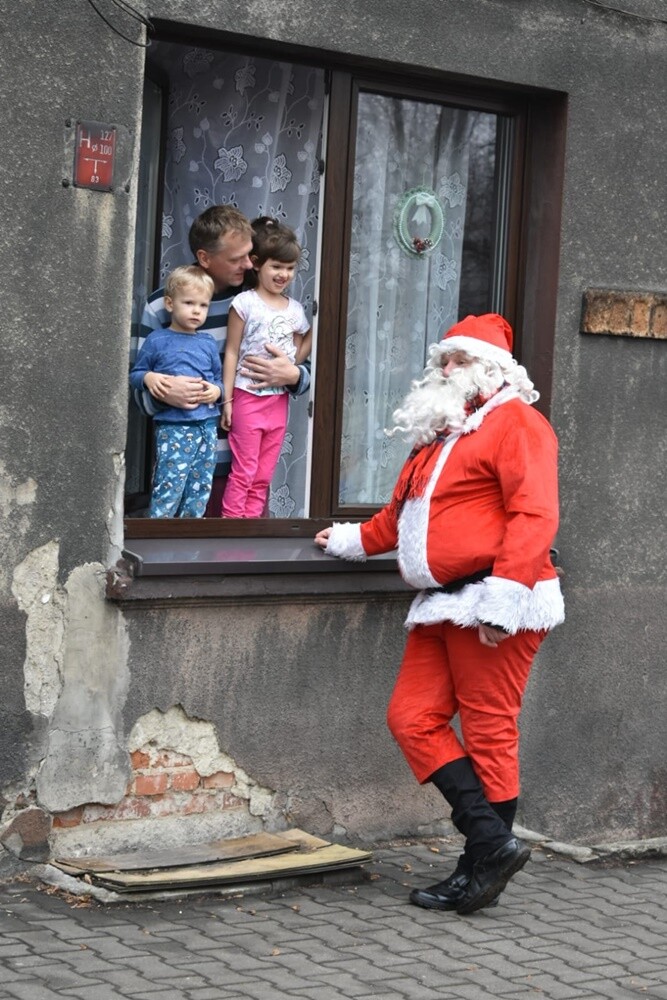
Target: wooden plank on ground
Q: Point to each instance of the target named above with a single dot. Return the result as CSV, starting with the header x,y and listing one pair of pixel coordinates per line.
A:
x,y
237,848
304,841
331,857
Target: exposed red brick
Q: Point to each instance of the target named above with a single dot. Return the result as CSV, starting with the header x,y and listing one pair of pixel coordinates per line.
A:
x,y
232,802
624,313
139,760
640,316
95,811
133,808
151,784
165,805
659,322
619,316
72,817
184,781
195,804
169,758
221,779
204,802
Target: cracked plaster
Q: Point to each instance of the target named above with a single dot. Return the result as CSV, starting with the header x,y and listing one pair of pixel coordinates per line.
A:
x,y
35,587
16,500
85,759
174,730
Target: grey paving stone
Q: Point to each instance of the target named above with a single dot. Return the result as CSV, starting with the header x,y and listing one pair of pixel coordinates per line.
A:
x,y
34,991
104,992
57,976
322,992
411,989
210,993
128,982
8,975
657,992
562,930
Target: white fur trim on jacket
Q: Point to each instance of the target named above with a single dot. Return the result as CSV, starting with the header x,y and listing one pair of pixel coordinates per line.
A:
x,y
476,419
413,528
495,600
345,542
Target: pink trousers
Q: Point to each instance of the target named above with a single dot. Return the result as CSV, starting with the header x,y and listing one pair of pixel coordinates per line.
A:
x,y
255,440
446,671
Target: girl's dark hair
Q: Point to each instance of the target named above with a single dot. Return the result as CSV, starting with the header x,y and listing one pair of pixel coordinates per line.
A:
x,y
271,238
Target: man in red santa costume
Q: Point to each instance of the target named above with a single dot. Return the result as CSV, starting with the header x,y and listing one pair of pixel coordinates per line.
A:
x,y
473,516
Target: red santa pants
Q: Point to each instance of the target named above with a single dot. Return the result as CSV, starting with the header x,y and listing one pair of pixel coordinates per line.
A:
x,y
447,671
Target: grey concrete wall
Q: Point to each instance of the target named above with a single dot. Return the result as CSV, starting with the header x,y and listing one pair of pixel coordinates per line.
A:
x,y
65,258
298,694
594,736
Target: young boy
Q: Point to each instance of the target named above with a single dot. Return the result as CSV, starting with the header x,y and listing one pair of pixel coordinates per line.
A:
x,y
185,439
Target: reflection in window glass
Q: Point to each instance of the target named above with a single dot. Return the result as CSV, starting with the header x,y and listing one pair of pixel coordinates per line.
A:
x,y
422,250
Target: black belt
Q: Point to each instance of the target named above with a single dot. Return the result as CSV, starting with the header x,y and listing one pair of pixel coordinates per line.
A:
x,y
455,585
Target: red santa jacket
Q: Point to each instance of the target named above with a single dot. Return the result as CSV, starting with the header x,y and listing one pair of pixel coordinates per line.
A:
x,y
486,497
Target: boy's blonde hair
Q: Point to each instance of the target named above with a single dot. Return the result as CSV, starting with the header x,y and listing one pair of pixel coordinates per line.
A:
x,y
188,274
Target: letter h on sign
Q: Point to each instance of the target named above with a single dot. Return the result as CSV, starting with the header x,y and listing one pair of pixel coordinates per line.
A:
x,y
94,155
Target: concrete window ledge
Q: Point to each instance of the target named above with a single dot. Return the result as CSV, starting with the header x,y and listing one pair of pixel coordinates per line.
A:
x,y
227,569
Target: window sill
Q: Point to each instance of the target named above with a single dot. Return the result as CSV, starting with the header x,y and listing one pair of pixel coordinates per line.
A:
x,y
227,569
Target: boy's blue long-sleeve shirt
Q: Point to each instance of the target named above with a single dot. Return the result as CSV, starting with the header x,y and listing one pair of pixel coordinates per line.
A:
x,y
171,353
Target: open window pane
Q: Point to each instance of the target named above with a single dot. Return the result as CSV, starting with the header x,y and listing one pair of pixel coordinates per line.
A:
x,y
422,252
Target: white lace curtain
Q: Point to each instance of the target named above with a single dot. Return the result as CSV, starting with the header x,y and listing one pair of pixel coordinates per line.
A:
x,y
400,301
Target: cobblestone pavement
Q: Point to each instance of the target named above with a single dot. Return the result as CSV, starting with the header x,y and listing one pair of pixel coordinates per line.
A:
x,y
562,930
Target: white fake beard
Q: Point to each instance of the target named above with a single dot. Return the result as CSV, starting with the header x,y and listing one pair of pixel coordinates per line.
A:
x,y
437,403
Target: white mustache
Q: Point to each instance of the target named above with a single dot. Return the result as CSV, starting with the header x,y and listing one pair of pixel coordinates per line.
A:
x,y
438,402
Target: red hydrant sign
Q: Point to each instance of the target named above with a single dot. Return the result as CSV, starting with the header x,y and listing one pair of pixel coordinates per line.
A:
x,y
94,156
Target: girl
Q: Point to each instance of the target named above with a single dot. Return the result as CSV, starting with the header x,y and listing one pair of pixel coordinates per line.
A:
x,y
256,419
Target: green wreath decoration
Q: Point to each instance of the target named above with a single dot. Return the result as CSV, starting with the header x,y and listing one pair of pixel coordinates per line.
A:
x,y
415,206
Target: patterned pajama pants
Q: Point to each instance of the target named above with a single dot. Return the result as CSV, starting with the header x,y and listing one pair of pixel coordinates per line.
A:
x,y
184,464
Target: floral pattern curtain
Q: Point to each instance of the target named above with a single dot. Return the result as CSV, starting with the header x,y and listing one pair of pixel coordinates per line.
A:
x,y
247,132
402,295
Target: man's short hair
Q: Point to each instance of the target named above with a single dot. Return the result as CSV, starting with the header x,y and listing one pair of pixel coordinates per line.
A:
x,y
183,277
215,222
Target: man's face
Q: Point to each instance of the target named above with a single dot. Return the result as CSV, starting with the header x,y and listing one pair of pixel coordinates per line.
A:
x,y
230,260
459,359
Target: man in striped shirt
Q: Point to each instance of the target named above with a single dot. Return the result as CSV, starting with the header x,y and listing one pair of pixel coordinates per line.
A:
x,y
221,240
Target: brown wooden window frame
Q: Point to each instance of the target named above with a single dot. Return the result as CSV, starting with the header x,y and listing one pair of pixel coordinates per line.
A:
x,y
532,246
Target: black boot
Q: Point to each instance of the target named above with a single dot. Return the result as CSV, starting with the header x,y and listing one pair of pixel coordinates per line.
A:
x,y
506,810
472,814
491,874
460,786
449,893
494,853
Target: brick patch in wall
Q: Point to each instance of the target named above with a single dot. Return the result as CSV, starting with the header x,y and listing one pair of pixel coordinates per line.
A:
x,y
624,314
163,783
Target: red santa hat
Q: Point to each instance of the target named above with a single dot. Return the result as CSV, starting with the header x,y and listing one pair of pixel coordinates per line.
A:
x,y
488,337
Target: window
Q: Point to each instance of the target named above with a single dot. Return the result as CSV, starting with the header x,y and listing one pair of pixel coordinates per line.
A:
x,y
409,201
